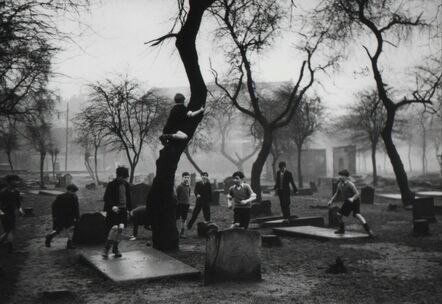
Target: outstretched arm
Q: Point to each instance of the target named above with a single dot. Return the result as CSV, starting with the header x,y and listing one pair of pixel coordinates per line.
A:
x,y
195,113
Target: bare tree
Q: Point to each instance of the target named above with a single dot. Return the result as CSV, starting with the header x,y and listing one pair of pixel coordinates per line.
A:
x,y
53,151
382,19
128,116
160,201
9,139
27,30
250,26
225,120
38,126
364,123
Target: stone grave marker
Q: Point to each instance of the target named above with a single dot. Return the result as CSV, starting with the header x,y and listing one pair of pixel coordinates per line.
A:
x,y
367,195
317,233
261,208
270,240
138,194
423,208
232,255
300,221
215,196
421,227
90,229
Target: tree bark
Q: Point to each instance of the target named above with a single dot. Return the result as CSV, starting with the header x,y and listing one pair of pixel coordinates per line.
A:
x,y
161,204
373,162
192,161
8,154
258,164
396,162
96,165
42,162
300,180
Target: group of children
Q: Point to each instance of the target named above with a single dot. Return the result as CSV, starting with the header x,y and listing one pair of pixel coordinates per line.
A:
x,y
118,204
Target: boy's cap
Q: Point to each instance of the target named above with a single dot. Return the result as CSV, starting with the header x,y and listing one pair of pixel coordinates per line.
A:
x,y
344,173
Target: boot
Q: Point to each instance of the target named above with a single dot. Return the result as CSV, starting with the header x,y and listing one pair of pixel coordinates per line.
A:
x,y
341,229
107,247
69,245
49,238
368,230
115,250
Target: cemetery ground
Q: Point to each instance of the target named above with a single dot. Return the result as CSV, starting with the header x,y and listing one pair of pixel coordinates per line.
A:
x,y
394,267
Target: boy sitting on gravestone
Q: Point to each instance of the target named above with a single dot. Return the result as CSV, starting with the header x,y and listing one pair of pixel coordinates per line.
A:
x,y
65,214
173,129
351,202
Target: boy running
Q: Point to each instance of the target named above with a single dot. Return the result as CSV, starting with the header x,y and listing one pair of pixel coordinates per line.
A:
x,y
65,213
240,196
351,202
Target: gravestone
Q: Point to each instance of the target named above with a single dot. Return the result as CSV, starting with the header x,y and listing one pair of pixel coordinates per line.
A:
x,y
333,217
367,195
299,221
313,187
259,220
270,240
192,180
232,255
28,212
204,228
138,194
90,229
423,208
261,208
318,233
421,227
215,196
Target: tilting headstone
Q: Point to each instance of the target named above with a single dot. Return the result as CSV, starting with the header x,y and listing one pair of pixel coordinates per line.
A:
x,y
317,221
261,208
333,218
367,195
148,264
90,229
317,233
423,208
232,255
138,194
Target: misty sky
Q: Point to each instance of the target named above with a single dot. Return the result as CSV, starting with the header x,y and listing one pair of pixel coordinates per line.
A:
x,y
110,39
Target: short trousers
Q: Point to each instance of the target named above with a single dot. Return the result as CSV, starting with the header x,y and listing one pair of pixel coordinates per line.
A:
x,y
181,211
348,207
113,218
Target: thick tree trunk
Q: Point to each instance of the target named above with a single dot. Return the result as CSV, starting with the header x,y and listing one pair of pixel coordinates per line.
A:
x,y
300,180
373,162
260,161
8,154
96,165
395,159
42,162
161,203
192,161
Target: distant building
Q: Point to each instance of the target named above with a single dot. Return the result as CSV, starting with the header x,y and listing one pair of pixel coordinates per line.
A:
x,y
344,157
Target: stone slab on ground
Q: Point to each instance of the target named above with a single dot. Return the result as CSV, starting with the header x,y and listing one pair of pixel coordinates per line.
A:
x,y
259,220
317,233
148,264
300,221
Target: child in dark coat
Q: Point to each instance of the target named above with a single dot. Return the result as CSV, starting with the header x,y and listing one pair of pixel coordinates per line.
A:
x,y
9,201
65,214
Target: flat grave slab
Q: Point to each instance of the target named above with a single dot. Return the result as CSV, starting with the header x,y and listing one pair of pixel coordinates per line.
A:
x,y
391,196
430,193
317,233
148,264
269,218
300,221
